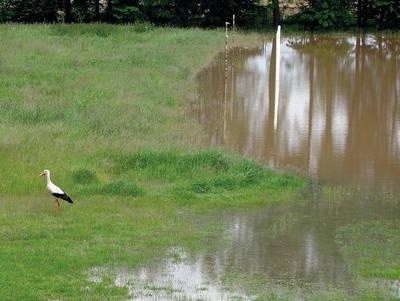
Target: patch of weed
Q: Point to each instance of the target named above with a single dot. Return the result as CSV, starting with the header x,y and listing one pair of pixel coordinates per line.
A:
x,y
121,187
84,176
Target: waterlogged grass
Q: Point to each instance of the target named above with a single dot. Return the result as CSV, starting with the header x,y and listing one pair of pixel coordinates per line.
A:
x,y
370,243
46,255
259,288
372,248
127,219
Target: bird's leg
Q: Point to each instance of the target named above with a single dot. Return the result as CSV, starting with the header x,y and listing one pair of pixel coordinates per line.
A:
x,y
57,205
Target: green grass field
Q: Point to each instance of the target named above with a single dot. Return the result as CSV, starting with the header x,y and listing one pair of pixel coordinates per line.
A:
x,y
70,95
103,107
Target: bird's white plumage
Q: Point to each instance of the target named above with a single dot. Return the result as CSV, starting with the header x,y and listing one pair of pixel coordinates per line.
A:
x,y
51,187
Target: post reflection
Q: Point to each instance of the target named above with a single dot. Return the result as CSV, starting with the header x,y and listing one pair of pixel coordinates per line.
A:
x,y
338,117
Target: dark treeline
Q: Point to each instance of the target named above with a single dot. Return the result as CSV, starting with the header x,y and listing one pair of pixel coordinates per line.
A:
x,y
338,14
318,14
203,13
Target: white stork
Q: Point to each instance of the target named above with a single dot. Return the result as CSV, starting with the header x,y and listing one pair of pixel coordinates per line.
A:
x,y
55,190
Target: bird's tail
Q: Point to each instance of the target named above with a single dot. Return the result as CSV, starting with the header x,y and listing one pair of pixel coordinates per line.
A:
x,y
65,197
69,200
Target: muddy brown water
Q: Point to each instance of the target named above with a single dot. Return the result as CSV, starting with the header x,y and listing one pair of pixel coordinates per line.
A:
x,y
338,116
338,121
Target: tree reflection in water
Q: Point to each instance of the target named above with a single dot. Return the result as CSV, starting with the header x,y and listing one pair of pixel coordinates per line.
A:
x,y
338,117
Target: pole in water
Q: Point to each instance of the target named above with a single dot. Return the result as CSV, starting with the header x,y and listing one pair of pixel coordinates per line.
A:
x,y
226,48
233,28
226,75
226,29
277,70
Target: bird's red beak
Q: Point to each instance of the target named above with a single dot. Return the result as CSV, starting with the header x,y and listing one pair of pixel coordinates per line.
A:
x,y
42,174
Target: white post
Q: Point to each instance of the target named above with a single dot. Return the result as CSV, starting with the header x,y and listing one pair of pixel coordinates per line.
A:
x,y
233,28
226,48
226,75
277,70
226,29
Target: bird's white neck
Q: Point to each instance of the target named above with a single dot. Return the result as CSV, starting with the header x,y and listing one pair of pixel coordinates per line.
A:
x,y
48,178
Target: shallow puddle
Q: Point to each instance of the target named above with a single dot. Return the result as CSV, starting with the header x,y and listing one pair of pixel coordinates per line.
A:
x,y
178,277
282,251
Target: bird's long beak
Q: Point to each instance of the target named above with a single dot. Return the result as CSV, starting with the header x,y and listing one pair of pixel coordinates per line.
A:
x,y
42,174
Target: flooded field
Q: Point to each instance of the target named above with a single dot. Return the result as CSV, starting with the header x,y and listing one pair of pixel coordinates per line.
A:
x,y
337,121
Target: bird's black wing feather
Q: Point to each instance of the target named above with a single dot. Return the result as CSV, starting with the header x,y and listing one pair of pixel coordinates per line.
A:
x,y
63,196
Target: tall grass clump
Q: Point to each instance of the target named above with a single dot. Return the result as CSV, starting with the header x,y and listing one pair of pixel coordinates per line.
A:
x,y
84,176
119,187
205,175
171,165
88,184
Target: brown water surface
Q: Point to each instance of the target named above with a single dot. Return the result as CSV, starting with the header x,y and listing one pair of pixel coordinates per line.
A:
x,y
338,117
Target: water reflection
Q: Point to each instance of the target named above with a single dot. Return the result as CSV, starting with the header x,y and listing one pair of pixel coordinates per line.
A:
x,y
338,118
287,251
173,279
294,244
